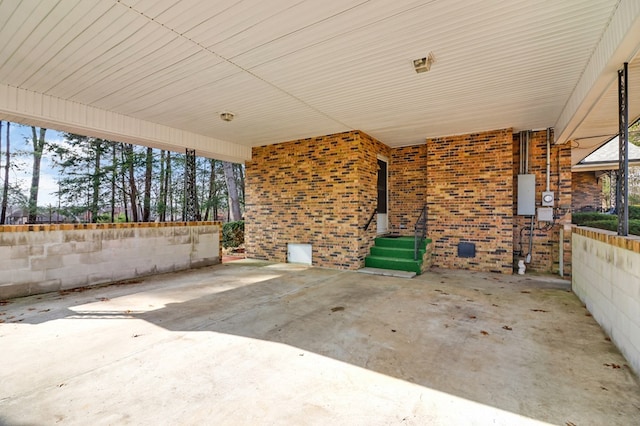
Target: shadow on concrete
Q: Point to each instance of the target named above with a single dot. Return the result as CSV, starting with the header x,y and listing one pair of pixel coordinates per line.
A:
x,y
524,345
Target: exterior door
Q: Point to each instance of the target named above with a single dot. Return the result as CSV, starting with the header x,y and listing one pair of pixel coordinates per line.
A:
x,y
382,196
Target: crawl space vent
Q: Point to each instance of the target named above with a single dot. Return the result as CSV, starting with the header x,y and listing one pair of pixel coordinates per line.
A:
x,y
466,250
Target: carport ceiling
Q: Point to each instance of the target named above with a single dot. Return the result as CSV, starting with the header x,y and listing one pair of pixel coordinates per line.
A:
x,y
295,69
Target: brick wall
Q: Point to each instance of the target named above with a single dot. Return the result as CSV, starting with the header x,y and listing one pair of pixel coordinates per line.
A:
x,y
546,235
318,191
407,187
470,199
321,191
586,191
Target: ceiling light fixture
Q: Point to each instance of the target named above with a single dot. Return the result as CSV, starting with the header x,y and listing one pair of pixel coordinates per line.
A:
x,y
227,116
424,64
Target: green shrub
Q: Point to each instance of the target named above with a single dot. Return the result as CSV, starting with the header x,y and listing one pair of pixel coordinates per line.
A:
x,y
611,224
581,218
233,234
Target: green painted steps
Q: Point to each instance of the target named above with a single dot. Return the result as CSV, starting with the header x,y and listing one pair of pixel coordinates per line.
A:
x,y
396,253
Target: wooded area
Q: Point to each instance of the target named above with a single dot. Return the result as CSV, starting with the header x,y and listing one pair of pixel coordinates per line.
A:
x,y
107,181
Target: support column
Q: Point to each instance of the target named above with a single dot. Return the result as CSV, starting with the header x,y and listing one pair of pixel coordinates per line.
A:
x,y
622,183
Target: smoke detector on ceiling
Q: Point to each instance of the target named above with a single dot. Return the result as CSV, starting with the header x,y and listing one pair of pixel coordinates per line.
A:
x,y
227,116
424,64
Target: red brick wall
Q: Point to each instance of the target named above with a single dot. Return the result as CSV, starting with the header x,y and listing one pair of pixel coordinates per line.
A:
x,y
470,199
407,187
317,191
321,191
587,191
546,235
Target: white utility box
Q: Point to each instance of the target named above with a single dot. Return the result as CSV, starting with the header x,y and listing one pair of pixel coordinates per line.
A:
x,y
527,195
545,214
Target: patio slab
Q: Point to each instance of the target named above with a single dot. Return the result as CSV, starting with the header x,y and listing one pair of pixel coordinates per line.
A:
x,y
250,342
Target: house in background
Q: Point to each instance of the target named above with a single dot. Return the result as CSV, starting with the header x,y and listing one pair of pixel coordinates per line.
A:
x,y
586,177
347,110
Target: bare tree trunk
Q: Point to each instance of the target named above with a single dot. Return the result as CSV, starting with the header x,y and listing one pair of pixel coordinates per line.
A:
x,y
124,184
162,206
146,209
169,186
212,190
240,179
133,192
5,188
95,196
38,148
114,176
232,190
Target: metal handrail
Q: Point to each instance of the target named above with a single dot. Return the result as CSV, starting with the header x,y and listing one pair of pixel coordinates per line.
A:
x,y
370,219
420,231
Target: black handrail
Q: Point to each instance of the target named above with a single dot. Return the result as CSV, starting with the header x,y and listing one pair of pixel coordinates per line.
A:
x,y
370,219
420,230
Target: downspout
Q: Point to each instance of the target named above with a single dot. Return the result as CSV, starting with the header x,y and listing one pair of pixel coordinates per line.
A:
x,y
549,157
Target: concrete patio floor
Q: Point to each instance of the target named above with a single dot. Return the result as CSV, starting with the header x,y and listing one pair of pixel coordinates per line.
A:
x,y
250,342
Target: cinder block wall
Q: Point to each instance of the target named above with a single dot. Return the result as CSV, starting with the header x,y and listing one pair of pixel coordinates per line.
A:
x,y
43,258
318,191
470,199
586,191
606,278
546,235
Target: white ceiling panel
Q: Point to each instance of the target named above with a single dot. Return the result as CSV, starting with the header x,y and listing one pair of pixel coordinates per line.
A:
x,y
301,68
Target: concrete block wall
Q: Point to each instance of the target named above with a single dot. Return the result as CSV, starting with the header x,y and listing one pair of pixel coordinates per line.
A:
x,y
546,235
586,189
317,191
43,258
606,278
470,199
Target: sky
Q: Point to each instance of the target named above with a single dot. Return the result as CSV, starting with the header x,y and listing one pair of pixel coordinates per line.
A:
x,y
21,174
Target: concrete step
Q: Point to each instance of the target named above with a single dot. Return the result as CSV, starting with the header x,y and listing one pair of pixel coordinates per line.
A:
x,y
384,262
387,272
400,253
399,242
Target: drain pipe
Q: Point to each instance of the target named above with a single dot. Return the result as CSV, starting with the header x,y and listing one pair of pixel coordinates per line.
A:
x,y
528,258
548,157
561,254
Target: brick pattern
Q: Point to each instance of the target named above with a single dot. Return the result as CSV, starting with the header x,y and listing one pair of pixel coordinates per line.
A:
x,y
407,187
317,191
546,236
368,153
470,199
321,191
586,191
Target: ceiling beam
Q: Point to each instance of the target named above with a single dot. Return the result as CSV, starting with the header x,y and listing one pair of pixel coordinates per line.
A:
x,y
620,43
37,109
